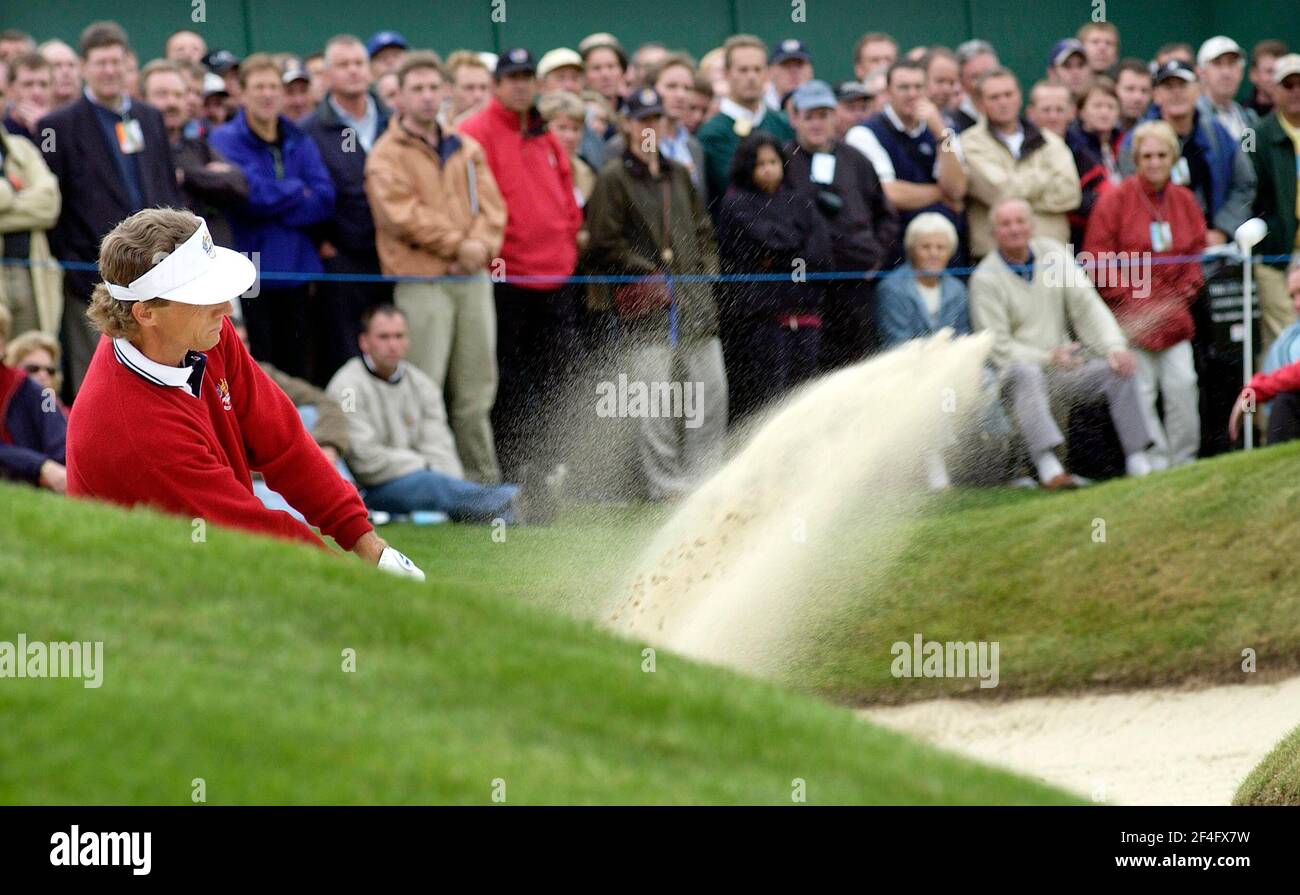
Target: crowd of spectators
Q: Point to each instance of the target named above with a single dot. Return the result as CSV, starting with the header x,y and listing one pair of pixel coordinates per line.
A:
x,y
445,244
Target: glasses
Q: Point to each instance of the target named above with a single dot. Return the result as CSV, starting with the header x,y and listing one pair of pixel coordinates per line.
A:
x,y
33,369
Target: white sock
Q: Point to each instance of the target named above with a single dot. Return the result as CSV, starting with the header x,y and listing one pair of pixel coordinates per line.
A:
x,y
936,472
1137,464
1048,466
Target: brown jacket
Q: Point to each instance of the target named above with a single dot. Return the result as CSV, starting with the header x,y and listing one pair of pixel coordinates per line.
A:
x,y
420,197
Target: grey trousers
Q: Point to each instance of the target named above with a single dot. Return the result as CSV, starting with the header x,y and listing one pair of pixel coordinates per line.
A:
x,y
19,298
678,446
1032,389
454,340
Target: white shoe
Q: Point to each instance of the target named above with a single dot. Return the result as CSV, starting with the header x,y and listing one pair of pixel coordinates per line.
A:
x,y
1138,464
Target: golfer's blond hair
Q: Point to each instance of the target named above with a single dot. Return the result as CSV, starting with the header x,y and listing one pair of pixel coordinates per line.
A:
x,y
128,252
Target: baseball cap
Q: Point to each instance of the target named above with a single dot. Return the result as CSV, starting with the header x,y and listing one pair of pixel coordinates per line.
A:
x,y
813,95
560,57
295,73
1174,68
848,91
1065,48
1218,46
221,61
514,60
197,272
1286,66
643,103
602,39
790,48
382,40
213,84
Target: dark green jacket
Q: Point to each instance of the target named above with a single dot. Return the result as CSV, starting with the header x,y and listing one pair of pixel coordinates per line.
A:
x,y
1275,168
719,138
625,219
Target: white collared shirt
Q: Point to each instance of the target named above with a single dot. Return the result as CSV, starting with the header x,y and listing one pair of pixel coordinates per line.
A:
x,y
160,374
732,109
397,372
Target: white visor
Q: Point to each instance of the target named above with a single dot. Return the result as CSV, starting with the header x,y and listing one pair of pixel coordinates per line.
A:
x,y
197,272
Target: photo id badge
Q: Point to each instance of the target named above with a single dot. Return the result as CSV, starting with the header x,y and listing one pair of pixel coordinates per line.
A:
x,y
1181,173
130,136
1162,236
823,168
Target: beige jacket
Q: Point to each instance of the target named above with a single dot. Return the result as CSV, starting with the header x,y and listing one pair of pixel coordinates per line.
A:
x,y
422,204
34,208
394,428
1044,176
1028,320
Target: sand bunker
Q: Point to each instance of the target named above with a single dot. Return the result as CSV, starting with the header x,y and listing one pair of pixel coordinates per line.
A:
x,y
729,578
1148,747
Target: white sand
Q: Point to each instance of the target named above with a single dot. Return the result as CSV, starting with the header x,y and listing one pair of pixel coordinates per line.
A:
x,y
728,580
1150,747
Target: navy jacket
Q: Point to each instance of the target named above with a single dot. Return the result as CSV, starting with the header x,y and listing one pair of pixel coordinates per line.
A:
x,y
284,201
28,434
94,197
902,316
351,229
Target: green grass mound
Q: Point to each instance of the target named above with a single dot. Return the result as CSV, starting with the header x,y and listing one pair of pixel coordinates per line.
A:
x,y
1276,779
223,662
1164,580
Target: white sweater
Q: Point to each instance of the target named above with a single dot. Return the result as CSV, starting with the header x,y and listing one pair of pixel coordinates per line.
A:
x,y
395,428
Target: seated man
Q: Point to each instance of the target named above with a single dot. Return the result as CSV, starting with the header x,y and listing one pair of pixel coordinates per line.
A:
x,y
33,429
1279,382
1029,293
401,449
321,415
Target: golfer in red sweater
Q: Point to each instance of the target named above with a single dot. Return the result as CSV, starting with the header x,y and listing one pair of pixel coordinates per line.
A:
x,y
174,413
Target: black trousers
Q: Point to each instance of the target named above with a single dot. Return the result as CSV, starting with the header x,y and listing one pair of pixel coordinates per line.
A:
x,y
764,360
848,324
277,328
1283,418
537,348
338,307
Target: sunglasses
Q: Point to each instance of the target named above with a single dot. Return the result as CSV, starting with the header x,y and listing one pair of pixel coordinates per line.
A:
x,y
33,369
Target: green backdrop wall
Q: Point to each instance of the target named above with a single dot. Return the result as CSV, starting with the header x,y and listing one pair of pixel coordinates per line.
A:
x,y
1021,29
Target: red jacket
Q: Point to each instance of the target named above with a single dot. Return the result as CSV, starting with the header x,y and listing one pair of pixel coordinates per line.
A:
x,y
532,171
131,441
1283,379
1154,308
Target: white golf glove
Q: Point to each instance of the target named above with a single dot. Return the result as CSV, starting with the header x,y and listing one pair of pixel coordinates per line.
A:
x,y
396,562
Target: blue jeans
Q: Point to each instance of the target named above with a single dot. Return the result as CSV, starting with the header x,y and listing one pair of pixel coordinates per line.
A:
x,y
427,489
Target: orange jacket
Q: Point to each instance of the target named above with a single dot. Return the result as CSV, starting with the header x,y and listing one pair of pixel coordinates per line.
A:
x,y
420,197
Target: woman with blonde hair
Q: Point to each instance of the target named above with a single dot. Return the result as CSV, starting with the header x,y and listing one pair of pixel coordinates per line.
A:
x,y
38,355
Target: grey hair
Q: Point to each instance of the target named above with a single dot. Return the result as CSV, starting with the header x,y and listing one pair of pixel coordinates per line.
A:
x,y
968,50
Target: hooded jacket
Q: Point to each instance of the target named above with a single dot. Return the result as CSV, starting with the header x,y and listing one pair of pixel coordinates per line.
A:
x,y
532,172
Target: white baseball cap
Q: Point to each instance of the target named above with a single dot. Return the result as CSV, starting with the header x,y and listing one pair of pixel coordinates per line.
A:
x,y
1218,46
1286,66
197,272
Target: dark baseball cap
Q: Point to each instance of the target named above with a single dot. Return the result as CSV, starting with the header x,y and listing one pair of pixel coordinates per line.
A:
x,y
790,48
221,61
515,59
643,103
1174,68
849,91
1064,49
382,40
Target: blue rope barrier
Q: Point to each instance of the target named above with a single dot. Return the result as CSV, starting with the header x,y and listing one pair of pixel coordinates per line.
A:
x,y
821,276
